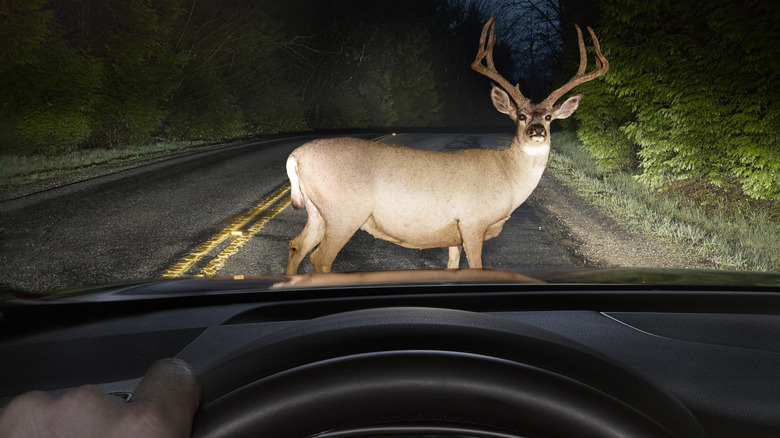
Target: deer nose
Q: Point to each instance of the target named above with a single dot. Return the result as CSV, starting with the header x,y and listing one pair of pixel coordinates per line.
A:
x,y
535,129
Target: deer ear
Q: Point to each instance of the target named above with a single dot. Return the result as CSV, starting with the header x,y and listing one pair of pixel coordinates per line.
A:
x,y
502,101
567,108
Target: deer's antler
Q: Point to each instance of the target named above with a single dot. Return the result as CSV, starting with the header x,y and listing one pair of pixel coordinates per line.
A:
x,y
485,52
602,66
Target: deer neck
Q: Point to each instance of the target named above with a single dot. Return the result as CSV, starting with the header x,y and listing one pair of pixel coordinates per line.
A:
x,y
529,160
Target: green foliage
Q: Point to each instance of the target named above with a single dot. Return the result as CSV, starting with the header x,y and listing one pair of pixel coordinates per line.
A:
x,y
601,116
337,106
717,225
82,74
135,44
416,96
393,96
26,26
691,91
48,87
368,66
202,108
258,76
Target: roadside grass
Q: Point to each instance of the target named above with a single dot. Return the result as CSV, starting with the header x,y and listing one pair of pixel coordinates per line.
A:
x,y
18,170
717,224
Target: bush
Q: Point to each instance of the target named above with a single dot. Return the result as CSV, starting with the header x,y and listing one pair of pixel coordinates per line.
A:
x,y
691,89
202,108
48,88
600,120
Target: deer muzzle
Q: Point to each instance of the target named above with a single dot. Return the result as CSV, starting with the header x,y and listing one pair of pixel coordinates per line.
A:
x,y
536,132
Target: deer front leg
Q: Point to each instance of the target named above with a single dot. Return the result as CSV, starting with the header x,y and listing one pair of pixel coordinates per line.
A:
x,y
472,244
474,254
453,262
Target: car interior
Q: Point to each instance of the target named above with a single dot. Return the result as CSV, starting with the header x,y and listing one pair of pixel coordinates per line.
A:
x,y
468,359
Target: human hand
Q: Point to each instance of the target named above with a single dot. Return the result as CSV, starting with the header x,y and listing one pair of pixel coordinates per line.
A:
x,y
163,405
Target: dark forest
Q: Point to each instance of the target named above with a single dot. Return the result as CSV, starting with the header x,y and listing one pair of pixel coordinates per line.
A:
x,y
691,91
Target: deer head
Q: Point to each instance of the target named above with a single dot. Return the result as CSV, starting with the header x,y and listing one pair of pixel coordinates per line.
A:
x,y
533,119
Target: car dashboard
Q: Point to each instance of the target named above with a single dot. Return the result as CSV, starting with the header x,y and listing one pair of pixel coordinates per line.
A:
x,y
647,360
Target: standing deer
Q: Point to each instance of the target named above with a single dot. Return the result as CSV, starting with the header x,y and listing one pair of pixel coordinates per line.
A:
x,y
426,199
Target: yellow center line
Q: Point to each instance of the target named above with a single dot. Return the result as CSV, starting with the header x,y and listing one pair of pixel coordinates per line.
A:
x,y
380,138
233,229
219,261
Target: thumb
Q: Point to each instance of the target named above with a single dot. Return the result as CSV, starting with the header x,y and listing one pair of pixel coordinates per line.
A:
x,y
170,388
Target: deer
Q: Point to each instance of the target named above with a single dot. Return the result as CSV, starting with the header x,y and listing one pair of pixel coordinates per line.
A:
x,y
428,199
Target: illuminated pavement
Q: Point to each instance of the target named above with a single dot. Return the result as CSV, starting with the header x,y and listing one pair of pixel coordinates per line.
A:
x,y
204,214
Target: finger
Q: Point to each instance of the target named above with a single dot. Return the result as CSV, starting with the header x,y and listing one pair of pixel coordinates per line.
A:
x,y
172,389
19,417
169,381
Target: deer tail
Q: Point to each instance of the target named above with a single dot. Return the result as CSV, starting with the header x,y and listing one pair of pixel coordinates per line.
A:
x,y
295,184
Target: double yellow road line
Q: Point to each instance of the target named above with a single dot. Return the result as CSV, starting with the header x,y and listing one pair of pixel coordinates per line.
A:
x,y
257,216
260,214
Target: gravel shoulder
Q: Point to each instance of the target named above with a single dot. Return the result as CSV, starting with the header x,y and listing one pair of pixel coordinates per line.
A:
x,y
593,239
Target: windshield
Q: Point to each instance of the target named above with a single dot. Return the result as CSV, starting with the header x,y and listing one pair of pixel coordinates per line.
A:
x,y
153,140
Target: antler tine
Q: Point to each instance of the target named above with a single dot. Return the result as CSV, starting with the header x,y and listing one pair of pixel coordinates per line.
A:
x,y
583,52
485,51
602,66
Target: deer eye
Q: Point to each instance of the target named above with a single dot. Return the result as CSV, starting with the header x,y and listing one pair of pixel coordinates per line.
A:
x,y
521,117
548,117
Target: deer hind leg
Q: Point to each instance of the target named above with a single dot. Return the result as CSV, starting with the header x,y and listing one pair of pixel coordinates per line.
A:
x,y
335,238
309,238
453,262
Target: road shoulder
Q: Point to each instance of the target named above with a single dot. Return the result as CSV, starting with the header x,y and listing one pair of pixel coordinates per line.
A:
x,y
593,239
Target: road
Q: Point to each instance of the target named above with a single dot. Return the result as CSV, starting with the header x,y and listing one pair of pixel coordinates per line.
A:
x,y
209,214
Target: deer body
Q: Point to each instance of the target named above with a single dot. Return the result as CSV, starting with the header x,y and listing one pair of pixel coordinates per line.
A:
x,y
411,203
419,198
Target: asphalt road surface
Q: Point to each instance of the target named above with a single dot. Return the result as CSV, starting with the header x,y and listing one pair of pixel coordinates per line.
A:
x,y
223,212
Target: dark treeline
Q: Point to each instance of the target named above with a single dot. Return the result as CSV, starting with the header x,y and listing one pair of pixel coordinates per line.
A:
x,y
86,73
691,93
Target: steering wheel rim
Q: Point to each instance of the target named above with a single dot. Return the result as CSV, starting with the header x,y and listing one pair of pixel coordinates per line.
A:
x,y
435,355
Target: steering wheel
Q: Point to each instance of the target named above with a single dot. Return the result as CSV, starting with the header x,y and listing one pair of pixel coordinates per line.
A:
x,y
432,372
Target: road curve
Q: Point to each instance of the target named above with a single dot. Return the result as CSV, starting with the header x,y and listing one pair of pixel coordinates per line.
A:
x,y
140,223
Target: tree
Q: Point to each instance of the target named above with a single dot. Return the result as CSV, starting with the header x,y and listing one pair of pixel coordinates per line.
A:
x,y
48,87
85,73
134,41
